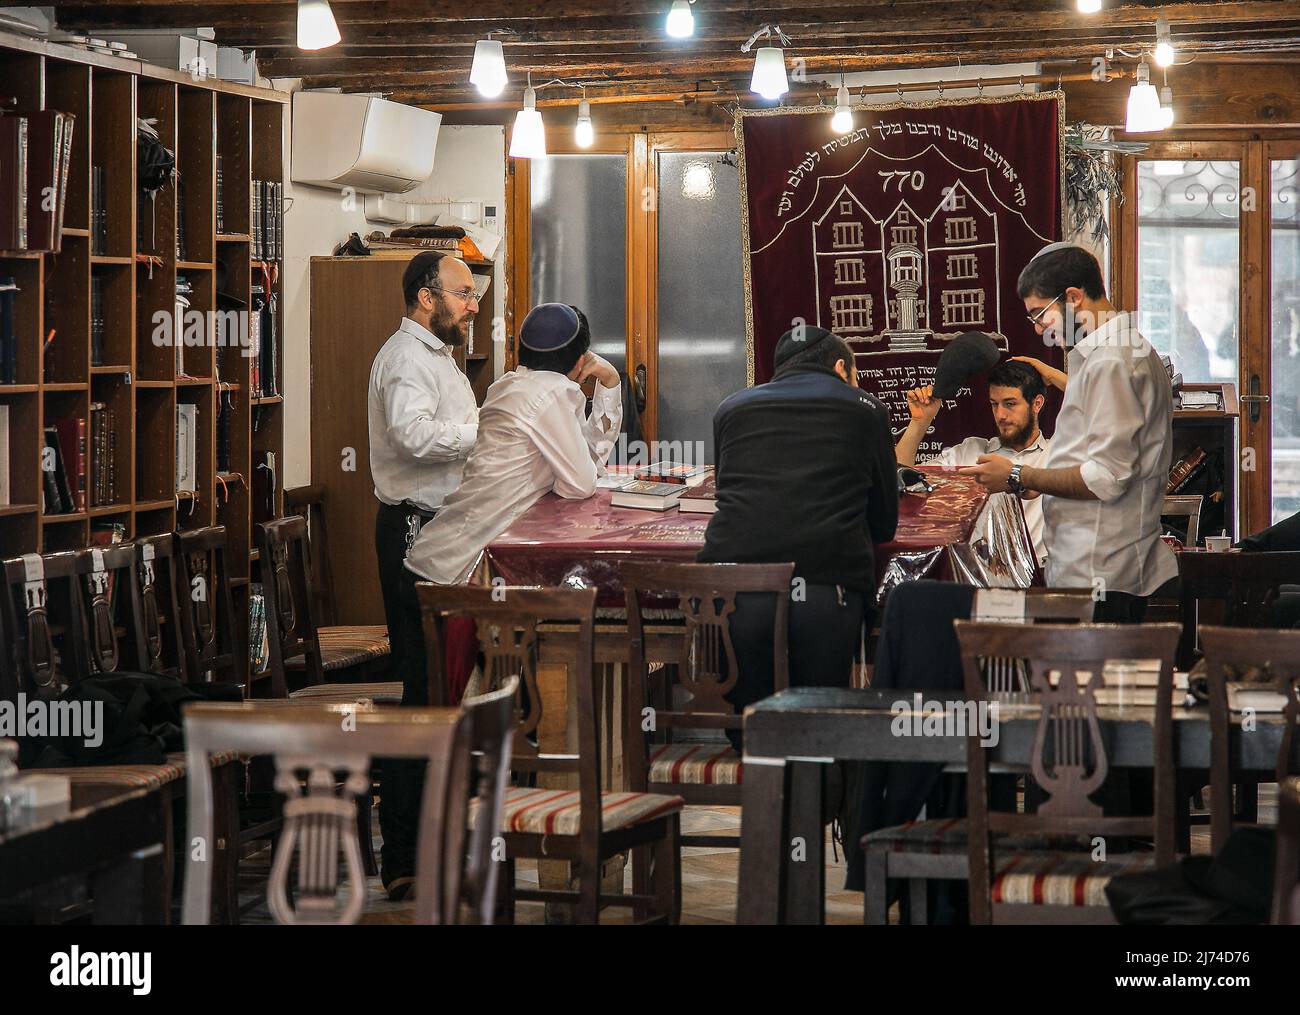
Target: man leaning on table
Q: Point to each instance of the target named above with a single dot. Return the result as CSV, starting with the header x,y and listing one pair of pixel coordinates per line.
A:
x,y
534,438
1104,482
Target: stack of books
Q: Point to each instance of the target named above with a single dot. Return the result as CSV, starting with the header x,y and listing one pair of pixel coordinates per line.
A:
x,y
648,496
675,472
58,490
700,500
268,220
1133,682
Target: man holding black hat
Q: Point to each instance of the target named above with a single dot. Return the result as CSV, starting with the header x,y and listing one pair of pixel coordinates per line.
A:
x,y
423,420
805,473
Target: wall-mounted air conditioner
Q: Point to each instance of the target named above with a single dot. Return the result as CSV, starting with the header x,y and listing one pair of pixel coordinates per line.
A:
x,y
371,145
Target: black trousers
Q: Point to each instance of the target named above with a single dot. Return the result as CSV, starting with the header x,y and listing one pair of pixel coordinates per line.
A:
x,y
1120,608
401,779
825,633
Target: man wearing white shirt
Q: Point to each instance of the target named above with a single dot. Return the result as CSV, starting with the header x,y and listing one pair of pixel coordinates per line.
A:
x,y
1104,482
534,438
1016,396
423,421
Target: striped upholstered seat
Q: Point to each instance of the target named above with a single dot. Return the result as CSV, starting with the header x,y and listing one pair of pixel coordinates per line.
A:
x,y
1060,879
695,765
151,776
558,812
344,647
389,693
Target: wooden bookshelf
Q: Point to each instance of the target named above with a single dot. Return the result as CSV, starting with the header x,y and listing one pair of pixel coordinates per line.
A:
x,y
139,379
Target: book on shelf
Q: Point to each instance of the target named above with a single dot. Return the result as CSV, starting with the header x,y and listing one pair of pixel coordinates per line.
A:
x,y
8,335
6,492
221,200
65,163
72,443
58,493
187,437
700,500
675,472
181,249
103,479
259,649
13,183
44,148
225,410
648,496
256,219
96,320
98,214
1185,469
277,195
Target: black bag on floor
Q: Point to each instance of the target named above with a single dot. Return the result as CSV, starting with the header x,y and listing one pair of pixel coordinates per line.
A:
x,y
136,720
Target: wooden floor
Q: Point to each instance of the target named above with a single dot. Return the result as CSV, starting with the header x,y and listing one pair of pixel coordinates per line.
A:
x,y
708,878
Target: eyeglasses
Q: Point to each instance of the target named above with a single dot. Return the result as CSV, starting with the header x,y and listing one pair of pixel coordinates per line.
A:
x,y
1036,319
468,295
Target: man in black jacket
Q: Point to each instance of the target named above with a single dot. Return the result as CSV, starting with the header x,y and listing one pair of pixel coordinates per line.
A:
x,y
805,473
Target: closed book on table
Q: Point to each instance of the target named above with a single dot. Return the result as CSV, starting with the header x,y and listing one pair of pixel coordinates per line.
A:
x,y
648,496
72,442
13,182
700,500
672,472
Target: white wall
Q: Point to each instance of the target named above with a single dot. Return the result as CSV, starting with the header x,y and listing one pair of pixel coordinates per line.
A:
x,y
469,166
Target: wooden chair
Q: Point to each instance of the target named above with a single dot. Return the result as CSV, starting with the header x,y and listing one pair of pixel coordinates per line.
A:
x,y
1232,589
935,849
108,634
690,693
1286,865
160,607
584,826
310,744
1188,509
348,651
290,623
1017,881
1270,661
207,611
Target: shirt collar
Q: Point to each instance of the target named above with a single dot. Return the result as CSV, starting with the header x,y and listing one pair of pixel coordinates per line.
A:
x,y
995,445
426,336
1108,334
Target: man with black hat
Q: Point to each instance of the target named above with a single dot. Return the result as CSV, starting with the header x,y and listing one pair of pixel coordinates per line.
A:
x,y
534,438
423,421
805,473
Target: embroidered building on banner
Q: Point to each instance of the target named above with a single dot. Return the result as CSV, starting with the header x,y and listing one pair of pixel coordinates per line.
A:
x,y
914,278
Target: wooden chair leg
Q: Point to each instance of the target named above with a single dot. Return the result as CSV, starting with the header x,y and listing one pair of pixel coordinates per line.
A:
x,y
587,871
919,899
505,911
365,808
641,881
668,872
875,899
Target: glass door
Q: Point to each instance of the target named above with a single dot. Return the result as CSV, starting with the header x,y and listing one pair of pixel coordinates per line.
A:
x,y
1284,328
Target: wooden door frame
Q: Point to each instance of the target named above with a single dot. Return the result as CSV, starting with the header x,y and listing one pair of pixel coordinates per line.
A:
x,y
642,231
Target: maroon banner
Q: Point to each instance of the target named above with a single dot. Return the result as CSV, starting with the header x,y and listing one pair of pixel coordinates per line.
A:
x,y
900,236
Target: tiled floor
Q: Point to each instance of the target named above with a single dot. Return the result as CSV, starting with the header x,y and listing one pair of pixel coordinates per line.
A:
x,y
708,878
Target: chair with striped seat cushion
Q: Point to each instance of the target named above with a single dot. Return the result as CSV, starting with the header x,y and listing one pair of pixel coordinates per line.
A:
x,y
559,812
694,765
342,648
151,776
1026,878
584,825
389,693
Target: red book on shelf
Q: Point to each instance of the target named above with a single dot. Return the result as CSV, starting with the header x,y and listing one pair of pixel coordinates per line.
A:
x,y
72,442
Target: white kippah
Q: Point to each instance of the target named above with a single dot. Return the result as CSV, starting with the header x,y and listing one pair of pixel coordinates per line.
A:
x,y
1051,247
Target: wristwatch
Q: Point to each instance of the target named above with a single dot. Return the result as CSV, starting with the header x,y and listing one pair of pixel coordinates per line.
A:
x,y
1013,481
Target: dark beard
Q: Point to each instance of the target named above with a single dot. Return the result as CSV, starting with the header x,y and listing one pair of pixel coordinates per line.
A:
x,y
445,329
1018,440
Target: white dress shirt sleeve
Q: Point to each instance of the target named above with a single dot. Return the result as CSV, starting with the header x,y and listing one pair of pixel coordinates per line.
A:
x,y
410,405
575,449
1116,416
604,424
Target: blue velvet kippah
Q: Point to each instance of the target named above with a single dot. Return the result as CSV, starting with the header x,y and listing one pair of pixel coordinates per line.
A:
x,y
549,327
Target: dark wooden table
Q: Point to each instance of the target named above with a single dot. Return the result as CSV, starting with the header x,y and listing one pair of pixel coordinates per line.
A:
x,y
792,735
112,836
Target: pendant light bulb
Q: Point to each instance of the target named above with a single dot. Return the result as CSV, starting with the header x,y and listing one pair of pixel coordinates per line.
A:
x,y
317,28
489,71
528,140
1166,107
770,79
681,22
1088,6
1165,53
842,121
1143,114
585,135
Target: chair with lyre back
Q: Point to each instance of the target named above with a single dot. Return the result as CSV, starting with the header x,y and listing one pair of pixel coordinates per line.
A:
x,y
1229,589
1286,863
37,613
313,744
207,610
918,852
584,826
108,635
1257,670
1014,881
160,607
359,652
688,691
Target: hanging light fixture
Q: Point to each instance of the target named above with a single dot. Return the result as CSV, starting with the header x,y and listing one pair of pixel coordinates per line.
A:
x,y
489,71
681,22
1088,6
585,134
1165,53
317,28
842,121
770,80
1143,104
1166,107
528,140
